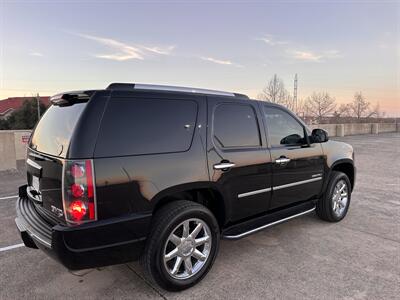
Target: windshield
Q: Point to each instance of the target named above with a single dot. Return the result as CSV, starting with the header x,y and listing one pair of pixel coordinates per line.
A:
x,y
54,130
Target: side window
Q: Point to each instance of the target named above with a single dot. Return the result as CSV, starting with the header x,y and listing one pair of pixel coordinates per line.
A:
x,y
283,129
235,125
133,126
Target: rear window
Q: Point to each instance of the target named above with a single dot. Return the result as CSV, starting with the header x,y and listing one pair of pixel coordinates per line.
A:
x,y
54,130
133,126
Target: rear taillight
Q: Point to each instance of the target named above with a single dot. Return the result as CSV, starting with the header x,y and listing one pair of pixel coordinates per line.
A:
x,y
79,197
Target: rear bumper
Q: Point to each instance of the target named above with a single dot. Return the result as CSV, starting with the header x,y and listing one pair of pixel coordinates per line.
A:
x,y
89,245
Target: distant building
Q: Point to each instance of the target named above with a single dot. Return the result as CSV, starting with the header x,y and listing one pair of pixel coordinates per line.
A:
x,y
9,105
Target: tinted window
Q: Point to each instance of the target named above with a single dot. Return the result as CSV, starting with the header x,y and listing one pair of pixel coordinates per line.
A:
x,y
283,129
134,126
53,132
235,125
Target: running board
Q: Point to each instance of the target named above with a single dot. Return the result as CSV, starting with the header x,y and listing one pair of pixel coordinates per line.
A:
x,y
252,226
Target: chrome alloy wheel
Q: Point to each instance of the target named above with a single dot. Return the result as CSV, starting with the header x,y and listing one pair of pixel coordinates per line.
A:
x,y
340,198
187,248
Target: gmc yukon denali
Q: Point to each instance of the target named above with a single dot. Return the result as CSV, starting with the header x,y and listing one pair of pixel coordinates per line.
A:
x,y
162,173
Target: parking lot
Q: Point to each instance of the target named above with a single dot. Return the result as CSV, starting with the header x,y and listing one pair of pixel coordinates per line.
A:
x,y
358,258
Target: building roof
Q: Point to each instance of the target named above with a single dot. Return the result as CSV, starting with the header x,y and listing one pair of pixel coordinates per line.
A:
x,y
14,103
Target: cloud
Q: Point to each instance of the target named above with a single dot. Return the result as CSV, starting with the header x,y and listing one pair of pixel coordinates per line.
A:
x,y
307,56
158,50
38,54
125,51
297,54
220,62
271,40
313,56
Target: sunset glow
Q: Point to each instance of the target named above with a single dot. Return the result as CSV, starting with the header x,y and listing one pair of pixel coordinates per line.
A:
x,y
335,47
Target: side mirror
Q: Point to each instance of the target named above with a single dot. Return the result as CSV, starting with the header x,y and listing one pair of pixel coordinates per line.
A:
x,y
319,136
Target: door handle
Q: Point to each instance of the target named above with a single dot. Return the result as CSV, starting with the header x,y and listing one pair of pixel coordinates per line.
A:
x,y
282,160
224,166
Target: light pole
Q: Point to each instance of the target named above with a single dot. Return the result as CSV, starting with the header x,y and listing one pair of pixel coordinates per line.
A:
x,y
38,105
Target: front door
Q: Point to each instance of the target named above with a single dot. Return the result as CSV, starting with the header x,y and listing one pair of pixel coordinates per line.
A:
x,y
238,159
297,167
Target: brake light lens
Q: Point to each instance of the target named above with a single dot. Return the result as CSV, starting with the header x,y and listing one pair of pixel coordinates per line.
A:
x,y
77,210
77,190
79,197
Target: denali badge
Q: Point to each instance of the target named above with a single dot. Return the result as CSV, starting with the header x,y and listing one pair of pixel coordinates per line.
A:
x,y
57,211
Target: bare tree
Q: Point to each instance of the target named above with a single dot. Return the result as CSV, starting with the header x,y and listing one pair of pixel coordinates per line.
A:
x,y
344,110
359,106
376,112
276,92
288,101
320,105
302,109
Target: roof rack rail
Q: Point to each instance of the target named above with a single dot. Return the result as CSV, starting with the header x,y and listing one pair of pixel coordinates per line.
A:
x,y
155,87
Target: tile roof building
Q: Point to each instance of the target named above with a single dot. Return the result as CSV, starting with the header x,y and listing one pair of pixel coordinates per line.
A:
x,y
9,105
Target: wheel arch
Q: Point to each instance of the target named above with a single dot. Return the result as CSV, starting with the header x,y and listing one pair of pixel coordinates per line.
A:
x,y
203,193
346,166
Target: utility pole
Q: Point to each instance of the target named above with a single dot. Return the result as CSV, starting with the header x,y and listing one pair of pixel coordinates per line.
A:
x,y
295,93
38,106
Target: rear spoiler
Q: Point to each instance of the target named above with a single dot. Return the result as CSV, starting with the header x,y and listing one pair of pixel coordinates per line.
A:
x,y
70,98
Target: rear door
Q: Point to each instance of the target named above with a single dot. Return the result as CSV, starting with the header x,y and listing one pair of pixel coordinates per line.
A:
x,y
297,167
238,160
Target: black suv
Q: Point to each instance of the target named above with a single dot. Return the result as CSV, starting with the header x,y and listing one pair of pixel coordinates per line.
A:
x,y
162,173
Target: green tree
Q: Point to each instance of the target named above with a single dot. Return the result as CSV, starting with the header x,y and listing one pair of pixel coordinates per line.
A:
x,y
25,117
3,124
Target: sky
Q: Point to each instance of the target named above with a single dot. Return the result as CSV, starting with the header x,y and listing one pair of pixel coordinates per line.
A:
x,y
339,47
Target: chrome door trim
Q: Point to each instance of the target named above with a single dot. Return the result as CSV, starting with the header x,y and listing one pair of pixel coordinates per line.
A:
x,y
279,187
238,236
254,192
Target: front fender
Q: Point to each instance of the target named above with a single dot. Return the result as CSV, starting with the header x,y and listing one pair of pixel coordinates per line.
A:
x,y
337,151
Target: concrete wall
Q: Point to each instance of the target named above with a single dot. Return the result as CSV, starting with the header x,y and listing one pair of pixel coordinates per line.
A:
x,y
357,128
13,142
7,151
21,140
389,127
330,128
13,148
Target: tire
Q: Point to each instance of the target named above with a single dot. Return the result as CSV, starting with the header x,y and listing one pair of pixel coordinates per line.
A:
x,y
173,219
326,208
